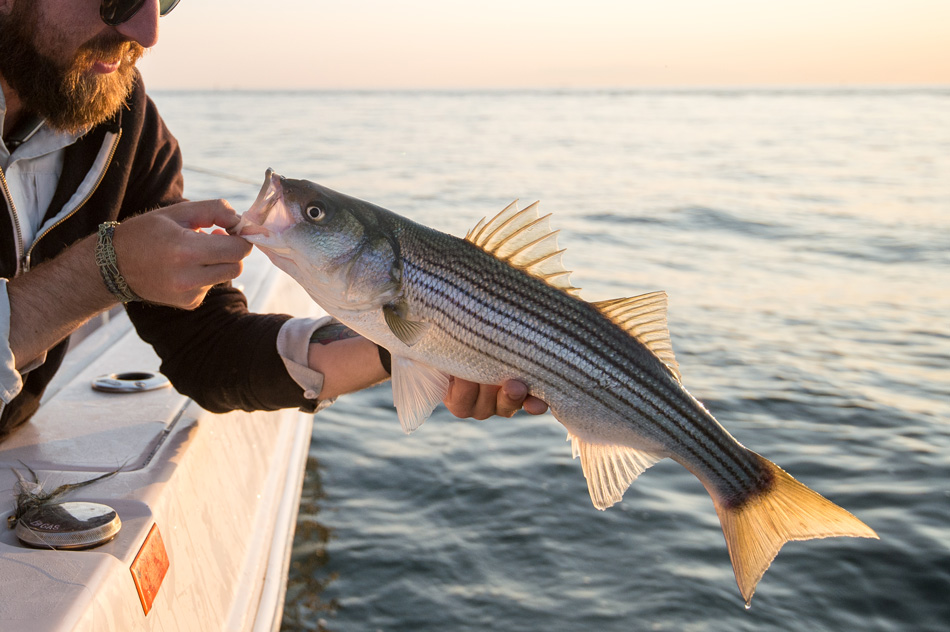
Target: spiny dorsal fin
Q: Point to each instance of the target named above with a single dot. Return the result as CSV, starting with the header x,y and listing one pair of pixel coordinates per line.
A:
x,y
609,469
644,318
524,239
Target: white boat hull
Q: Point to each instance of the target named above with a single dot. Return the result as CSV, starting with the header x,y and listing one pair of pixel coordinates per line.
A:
x,y
222,490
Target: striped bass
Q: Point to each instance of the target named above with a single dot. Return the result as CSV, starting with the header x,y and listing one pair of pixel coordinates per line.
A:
x,y
498,305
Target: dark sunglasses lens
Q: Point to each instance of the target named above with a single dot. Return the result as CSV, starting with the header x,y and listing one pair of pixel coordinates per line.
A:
x,y
115,12
165,6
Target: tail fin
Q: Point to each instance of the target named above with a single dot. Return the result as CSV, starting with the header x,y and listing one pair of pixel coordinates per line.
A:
x,y
756,528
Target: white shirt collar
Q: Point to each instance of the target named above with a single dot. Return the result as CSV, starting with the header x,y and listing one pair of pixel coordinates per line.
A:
x,y
43,141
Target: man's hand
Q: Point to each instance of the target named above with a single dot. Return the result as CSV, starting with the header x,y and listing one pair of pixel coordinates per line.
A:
x,y
481,401
161,254
166,259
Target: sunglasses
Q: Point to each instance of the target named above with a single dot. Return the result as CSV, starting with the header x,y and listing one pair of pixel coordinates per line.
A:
x,y
115,12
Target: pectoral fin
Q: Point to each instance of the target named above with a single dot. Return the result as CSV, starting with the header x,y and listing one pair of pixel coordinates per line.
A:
x,y
609,469
417,390
408,331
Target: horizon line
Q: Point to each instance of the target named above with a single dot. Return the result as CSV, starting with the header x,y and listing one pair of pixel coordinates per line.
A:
x,y
791,87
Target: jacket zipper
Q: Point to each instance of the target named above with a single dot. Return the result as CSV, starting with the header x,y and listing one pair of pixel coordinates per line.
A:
x,y
18,236
102,174
23,261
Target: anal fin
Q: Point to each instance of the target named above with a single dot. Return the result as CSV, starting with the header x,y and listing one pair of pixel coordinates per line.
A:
x,y
610,469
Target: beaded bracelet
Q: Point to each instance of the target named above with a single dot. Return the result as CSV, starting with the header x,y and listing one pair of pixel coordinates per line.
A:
x,y
105,259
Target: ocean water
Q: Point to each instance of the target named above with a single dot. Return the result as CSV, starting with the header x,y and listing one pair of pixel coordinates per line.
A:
x,y
803,237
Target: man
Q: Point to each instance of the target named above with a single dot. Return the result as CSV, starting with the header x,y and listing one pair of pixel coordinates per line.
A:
x,y
84,147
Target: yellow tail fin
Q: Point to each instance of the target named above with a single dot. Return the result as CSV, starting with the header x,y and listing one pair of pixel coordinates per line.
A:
x,y
757,528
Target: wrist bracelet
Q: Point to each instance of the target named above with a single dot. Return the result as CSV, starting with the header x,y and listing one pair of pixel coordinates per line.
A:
x,y
108,268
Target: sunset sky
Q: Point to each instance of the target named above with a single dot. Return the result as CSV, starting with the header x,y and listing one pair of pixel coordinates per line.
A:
x,y
302,44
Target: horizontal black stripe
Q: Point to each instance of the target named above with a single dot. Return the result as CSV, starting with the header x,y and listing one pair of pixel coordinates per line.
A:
x,y
581,327
487,292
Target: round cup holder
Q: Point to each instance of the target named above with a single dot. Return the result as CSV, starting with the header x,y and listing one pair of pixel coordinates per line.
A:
x,y
130,382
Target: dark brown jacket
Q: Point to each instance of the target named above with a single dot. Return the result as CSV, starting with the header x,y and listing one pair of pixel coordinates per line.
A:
x,y
219,354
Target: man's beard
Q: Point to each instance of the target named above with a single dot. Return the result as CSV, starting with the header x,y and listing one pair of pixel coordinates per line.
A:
x,y
70,98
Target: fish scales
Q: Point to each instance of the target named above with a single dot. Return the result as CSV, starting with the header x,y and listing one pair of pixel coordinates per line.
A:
x,y
587,346
497,305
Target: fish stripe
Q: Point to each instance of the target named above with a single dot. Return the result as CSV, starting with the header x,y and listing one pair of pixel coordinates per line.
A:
x,y
624,405
482,307
490,301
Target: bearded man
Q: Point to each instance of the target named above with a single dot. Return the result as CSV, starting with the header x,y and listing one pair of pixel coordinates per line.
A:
x,y
92,185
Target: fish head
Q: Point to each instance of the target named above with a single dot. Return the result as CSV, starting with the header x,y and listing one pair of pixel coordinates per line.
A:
x,y
334,245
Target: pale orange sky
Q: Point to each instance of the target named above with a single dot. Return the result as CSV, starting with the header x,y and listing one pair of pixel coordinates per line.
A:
x,y
302,44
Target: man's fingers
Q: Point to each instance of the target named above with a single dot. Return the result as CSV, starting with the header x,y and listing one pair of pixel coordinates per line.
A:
x,y
206,276
534,406
218,248
468,399
481,401
204,214
461,397
510,398
486,404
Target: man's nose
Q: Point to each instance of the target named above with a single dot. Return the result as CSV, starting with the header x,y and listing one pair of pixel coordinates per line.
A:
x,y
143,26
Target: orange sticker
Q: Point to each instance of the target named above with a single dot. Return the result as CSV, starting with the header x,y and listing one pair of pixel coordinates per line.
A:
x,y
149,567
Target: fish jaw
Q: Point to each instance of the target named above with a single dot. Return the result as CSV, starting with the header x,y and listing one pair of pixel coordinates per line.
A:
x,y
268,217
266,223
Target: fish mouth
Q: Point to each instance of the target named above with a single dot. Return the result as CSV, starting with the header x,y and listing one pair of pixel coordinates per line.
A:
x,y
256,225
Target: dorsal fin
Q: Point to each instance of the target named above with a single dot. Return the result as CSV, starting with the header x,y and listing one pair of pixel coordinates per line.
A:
x,y
644,318
524,239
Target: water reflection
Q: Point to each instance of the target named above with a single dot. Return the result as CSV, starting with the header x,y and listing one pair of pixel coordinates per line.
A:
x,y
803,239
306,609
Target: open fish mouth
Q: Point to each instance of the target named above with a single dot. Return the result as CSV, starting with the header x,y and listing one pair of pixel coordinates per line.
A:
x,y
261,223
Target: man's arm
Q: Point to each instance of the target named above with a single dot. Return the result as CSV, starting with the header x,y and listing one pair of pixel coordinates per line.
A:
x,y
53,300
163,257
351,363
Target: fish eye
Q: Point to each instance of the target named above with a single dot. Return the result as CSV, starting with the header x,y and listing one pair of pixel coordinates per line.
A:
x,y
316,212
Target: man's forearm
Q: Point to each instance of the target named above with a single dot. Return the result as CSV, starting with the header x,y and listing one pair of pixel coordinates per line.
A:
x,y
53,299
348,364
